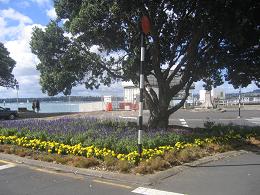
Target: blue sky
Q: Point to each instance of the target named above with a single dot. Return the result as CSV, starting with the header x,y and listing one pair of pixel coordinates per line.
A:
x,y
17,18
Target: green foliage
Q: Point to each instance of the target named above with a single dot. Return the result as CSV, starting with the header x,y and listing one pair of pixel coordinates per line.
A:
x,y
162,140
8,132
199,38
83,162
123,166
209,124
110,161
114,140
6,66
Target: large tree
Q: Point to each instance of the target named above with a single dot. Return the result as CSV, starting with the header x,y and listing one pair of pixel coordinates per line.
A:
x,y
192,40
6,67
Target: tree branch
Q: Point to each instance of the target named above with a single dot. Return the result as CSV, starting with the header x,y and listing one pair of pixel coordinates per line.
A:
x,y
180,104
154,97
175,71
113,74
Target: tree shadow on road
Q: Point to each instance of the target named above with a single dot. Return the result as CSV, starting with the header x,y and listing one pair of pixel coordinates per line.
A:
x,y
251,148
231,165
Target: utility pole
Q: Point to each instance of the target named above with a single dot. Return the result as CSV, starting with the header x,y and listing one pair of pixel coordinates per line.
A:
x,y
239,102
17,100
69,104
141,87
145,24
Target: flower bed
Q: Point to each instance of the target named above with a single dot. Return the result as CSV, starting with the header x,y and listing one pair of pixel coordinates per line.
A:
x,y
112,144
117,135
101,153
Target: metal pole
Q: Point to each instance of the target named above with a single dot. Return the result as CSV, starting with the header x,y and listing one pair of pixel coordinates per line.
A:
x,y
69,104
17,98
17,101
239,102
141,86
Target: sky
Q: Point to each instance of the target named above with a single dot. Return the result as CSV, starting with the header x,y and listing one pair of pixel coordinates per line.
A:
x,y
17,19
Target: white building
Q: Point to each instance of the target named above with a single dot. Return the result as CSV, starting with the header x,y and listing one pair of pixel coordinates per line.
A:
x,y
131,92
216,93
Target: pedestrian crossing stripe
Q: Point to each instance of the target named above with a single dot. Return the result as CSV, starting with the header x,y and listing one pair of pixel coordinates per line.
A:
x,y
9,165
183,122
149,191
255,120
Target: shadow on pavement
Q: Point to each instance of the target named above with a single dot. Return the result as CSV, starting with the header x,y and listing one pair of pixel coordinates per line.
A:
x,y
232,165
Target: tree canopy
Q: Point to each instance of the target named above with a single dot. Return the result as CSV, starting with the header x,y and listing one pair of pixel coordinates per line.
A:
x,y
192,40
6,67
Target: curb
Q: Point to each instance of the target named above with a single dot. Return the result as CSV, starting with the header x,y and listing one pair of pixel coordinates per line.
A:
x,y
134,179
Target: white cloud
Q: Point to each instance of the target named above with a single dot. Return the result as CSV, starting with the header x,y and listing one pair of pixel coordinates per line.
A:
x,y
41,2
4,1
94,49
8,32
24,4
16,38
228,88
15,15
16,29
51,13
2,23
19,48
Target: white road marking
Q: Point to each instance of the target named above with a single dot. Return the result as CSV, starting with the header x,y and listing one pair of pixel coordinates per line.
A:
x,y
255,120
112,184
7,166
128,117
149,191
183,122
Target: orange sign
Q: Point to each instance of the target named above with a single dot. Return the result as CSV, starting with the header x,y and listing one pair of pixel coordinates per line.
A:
x,y
146,24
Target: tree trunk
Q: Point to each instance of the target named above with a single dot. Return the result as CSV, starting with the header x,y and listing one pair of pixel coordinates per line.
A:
x,y
158,120
159,115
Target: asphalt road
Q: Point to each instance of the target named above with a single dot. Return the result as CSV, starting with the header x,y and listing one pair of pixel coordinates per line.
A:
x,y
198,118
237,175
193,118
188,118
22,180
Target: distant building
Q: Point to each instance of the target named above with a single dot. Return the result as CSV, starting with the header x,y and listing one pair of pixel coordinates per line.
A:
x,y
131,92
216,93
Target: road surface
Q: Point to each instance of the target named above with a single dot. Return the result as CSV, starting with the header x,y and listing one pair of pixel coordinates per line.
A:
x,y
237,175
193,119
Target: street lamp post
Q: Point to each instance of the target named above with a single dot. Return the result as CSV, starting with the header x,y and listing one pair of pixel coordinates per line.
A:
x,y
17,100
239,102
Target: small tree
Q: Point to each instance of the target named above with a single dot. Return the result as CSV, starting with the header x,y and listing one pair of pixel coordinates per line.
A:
x,y
6,67
192,40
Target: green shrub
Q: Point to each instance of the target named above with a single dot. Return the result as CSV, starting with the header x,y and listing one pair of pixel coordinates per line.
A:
x,y
83,162
110,161
123,166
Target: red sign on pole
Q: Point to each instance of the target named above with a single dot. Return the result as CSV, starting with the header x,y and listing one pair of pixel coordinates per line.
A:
x,y
146,24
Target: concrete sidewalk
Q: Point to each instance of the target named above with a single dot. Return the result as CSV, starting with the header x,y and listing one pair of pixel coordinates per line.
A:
x,y
236,175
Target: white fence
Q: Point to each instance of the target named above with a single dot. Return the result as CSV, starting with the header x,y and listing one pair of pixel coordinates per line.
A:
x,y
92,106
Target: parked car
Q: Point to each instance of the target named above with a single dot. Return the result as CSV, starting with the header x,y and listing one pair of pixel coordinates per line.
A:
x,y
6,113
